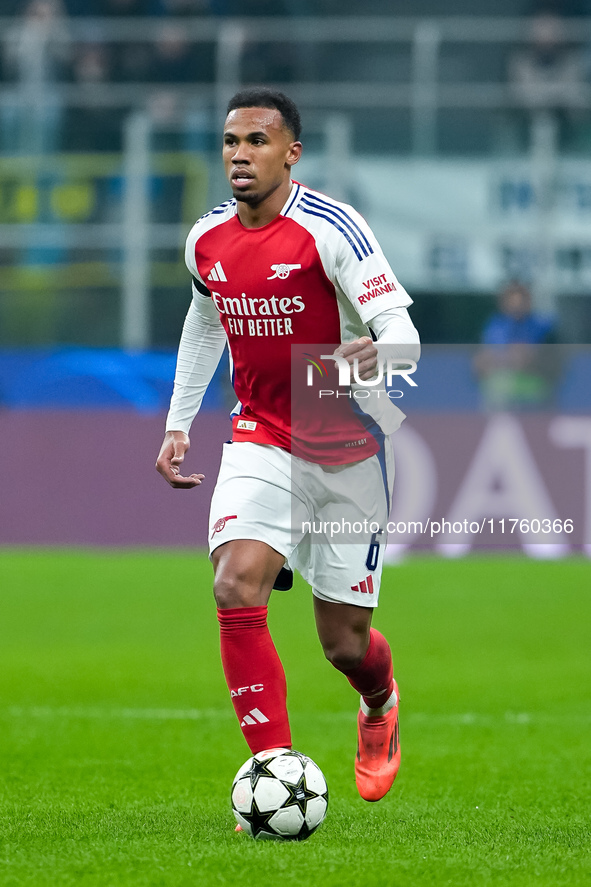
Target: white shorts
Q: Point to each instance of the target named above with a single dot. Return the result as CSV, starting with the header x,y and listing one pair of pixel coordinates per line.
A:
x,y
328,521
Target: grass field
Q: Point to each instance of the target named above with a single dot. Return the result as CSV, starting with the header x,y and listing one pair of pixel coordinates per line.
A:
x,y
118,743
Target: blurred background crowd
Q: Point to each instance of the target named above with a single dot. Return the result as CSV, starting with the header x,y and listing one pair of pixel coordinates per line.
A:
x,y
71,48
463,135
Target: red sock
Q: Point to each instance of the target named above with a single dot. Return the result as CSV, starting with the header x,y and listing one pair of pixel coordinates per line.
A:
x,y
255,677
373,679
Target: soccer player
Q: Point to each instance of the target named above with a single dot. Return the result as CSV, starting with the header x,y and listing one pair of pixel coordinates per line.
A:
x,y
280,265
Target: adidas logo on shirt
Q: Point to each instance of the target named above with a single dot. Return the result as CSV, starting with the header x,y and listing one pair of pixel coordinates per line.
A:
x,y
255,716
217,273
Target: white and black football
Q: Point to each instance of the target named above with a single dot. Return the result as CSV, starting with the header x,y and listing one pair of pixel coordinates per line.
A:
x,y
281,795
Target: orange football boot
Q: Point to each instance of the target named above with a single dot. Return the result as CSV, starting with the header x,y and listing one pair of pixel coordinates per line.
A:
x,y
378,752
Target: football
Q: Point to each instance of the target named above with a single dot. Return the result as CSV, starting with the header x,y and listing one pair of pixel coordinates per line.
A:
x,y
279,795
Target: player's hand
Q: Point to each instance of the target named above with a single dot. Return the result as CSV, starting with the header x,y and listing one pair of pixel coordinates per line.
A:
x,y
172,453
366,353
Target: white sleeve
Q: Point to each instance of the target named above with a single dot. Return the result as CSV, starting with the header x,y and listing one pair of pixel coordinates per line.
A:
x,y
363,272
397,339
396,334
202,343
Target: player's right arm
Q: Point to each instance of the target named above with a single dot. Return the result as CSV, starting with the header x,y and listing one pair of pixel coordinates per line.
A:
x,y
202,343
170,458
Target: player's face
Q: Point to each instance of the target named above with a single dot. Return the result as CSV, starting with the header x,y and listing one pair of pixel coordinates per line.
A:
x,y
258,153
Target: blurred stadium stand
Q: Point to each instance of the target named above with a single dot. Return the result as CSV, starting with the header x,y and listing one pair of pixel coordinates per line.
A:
x,y
69,378
81,378
470,170
463,138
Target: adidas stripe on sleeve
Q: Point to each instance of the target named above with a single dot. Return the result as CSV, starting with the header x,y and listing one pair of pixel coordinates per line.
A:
x,y
352,256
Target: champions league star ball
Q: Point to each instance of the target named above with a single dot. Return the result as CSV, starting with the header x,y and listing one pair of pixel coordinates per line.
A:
x,y
279,795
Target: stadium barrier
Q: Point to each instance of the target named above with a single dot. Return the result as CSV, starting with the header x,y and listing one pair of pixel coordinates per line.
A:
x,y
470,475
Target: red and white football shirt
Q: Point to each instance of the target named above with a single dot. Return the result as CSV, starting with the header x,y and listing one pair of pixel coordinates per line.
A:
x,y
315,274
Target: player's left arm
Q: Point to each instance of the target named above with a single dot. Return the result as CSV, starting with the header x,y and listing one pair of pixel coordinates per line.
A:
x,y
396,335
365,277
396,338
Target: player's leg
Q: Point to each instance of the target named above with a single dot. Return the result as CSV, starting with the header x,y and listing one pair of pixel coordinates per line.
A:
x,y
250,538
363,655
245,570
343,631
346,576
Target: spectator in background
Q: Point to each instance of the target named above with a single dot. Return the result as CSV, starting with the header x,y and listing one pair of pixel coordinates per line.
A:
x,y
549,75
131,60
182,123
514,373
267,61
90,126
174,59
36,57
274,61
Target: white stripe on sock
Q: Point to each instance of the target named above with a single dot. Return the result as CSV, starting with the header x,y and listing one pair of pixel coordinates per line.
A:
x,y
382,710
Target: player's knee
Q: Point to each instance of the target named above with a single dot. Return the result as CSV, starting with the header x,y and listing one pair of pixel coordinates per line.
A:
x,y
344,657
232,590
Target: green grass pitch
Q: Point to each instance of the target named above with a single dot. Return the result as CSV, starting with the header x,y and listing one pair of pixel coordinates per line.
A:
x,y
118,743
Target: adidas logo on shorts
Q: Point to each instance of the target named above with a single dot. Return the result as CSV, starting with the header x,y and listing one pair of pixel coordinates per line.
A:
x,y
365,587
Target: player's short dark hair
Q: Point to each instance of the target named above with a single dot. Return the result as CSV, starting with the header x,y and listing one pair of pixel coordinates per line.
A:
x,y
262,97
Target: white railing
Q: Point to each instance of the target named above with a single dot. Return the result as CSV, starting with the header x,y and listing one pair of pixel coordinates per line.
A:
x,y
328,108
423,93
136,236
